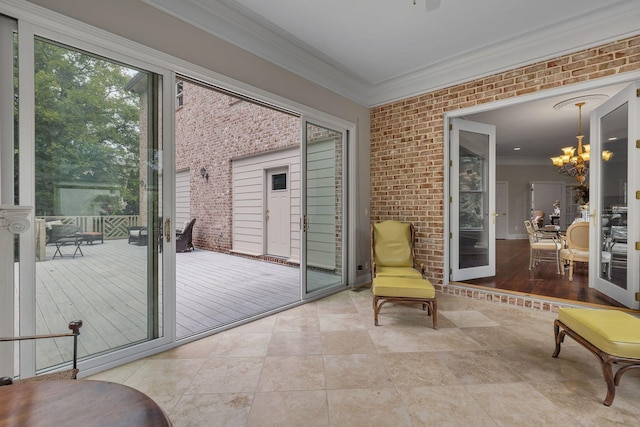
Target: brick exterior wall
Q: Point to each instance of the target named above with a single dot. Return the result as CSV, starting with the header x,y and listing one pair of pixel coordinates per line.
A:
x,y
212,129
407,147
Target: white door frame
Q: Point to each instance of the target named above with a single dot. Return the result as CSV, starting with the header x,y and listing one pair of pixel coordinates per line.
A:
x,y
487,231
627,296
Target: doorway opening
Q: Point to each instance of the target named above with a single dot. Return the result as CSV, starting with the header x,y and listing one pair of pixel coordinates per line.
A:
x,y
528,134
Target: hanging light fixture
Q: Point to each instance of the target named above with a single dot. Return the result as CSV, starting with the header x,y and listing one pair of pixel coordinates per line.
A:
x,y
575,162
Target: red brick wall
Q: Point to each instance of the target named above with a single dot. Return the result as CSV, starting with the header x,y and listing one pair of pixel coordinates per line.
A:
x,y
407,149
211,130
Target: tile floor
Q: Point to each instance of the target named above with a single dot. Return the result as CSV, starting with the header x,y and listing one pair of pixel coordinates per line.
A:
x,y
326,364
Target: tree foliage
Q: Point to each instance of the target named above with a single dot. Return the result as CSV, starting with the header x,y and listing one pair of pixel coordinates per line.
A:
x,y
86,128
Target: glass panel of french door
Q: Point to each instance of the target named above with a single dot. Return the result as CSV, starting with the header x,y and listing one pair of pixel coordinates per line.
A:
x,y
473,200
97,171
613,153
323,208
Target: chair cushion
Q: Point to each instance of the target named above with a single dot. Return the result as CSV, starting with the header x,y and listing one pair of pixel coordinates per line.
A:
x,y
612,331
398,272
405,287
392,241
544,245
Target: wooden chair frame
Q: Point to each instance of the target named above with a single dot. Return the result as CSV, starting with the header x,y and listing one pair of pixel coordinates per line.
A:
x,y
606,360
428,304
74,326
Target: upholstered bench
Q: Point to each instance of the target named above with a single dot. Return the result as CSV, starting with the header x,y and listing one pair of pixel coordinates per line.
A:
x,y
612,335
404,290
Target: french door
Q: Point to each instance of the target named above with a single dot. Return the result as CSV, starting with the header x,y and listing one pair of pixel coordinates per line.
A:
x,y
90,163
472,200
323,208
614,182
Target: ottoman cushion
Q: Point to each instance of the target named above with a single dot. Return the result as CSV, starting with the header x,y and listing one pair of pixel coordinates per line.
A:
x,y
612,331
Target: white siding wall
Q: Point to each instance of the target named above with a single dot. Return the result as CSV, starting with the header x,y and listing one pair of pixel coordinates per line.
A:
x,y
248,175
183,197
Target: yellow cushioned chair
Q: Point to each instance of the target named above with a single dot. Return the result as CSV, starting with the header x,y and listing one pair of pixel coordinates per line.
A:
x,y
392,250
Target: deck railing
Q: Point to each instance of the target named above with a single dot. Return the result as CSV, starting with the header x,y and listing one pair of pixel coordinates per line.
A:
x,y
111,226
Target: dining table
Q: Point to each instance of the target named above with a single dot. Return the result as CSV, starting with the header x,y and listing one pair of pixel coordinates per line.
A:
x,y
77,403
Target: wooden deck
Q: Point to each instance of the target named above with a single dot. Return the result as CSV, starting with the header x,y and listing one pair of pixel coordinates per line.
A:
x,y
107,289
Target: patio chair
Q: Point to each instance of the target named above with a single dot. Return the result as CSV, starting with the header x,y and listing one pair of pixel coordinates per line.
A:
x,y
184,242
69,374
137,235
65,235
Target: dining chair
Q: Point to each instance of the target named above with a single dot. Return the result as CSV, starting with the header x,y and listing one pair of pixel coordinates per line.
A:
x,y
542,247
577,248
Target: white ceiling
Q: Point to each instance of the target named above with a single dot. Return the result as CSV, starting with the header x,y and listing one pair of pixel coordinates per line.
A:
x,y
378,51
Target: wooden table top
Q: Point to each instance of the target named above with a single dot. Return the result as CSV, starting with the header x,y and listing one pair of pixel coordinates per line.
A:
x,y
77,403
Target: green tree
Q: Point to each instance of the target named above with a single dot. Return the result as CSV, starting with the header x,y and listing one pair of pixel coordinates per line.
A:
x,y
86,127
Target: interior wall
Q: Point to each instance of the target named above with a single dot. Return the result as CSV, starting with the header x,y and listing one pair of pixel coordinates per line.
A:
x,y
148,26
520,178
408,147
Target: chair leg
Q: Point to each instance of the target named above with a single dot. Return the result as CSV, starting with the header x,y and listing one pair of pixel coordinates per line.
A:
x,y
77,249
570,270
530,258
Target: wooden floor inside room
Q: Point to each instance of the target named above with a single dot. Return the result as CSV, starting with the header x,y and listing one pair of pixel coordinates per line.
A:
x,y
512,273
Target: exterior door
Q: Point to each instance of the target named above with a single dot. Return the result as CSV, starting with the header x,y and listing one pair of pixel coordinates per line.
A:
x,y
614,181
278,213
473,214
323,210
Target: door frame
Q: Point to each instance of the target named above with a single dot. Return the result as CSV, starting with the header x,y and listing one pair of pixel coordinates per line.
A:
x,y
489,269
166,276
347,267
631,96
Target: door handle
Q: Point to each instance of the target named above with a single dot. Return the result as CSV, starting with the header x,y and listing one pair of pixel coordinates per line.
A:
x,y
494,215
167,229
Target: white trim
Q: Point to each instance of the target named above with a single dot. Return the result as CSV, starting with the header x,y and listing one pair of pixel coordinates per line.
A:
x,y
268,42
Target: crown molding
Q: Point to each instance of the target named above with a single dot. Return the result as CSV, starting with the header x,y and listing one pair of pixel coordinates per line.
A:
x,y
225,19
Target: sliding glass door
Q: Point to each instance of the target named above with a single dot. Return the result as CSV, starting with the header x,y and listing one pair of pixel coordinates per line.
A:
x,y
91,167
323,219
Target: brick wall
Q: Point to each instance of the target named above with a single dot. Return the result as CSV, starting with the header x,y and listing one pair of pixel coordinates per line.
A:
x,y
407,148
212,129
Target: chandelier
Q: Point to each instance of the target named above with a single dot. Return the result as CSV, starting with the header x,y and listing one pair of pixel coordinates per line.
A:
x,y
575,162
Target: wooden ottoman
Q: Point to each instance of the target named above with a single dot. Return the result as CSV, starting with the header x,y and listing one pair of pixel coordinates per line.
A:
x,y
612,335
404,290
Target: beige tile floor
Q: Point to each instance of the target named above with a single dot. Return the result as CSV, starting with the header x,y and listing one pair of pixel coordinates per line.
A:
x,y
326,364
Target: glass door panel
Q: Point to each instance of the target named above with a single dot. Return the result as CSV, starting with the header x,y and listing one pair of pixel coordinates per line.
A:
x,y
323,210
613,151
97,171
473,197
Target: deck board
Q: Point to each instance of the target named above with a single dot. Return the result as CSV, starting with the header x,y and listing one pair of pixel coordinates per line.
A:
x,y
107,289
